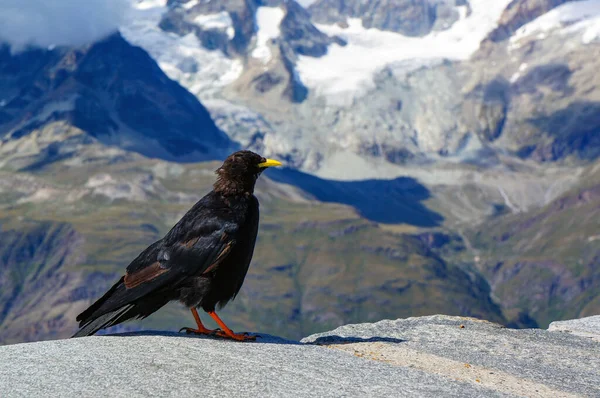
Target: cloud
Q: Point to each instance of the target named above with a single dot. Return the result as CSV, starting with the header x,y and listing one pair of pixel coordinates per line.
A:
x,y
44,23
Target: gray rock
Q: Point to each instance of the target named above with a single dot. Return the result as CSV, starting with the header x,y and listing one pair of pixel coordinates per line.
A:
x,y
520,12
529,362
155,364
427,356
180,21
409,17
301,36
585,327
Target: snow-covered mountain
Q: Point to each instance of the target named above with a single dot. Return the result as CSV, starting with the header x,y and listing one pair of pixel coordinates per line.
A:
x,y
349,70
349,89
359,89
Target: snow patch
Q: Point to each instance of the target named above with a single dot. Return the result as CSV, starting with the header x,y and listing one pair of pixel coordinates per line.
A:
x,y
190,4
148,4
567,18
267,23
221,21
517,74
348,70
463,12
183,58
306,3
592,31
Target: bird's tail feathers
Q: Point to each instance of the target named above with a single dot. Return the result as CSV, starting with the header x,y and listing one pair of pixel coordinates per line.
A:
x,y
106,320
138,309
97,307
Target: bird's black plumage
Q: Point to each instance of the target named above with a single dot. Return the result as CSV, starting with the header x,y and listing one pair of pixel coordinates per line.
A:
x,y
202,261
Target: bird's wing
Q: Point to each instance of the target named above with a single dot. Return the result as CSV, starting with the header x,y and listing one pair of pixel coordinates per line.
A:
x,y
164,265
193,252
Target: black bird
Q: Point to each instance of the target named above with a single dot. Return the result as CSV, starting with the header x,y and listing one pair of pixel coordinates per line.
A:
x,y
202,261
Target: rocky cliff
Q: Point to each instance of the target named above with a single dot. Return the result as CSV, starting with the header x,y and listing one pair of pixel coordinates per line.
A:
x,y
390,83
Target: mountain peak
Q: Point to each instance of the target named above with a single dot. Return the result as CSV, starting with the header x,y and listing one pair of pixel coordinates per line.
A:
x,y
113,91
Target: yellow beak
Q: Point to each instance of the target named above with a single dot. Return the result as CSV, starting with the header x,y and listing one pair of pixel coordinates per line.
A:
x,y
269,163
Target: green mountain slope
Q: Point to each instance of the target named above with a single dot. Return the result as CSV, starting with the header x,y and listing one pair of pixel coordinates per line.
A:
x,y
317,265
547,262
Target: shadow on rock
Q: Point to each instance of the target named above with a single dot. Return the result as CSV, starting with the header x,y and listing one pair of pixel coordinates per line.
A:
x,y
574,129
261,338
330,340
394,201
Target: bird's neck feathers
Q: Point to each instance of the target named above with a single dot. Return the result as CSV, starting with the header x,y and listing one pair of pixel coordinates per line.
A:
x,y
228,185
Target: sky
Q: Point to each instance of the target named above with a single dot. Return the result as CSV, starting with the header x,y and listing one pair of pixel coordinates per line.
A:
x,y
45,23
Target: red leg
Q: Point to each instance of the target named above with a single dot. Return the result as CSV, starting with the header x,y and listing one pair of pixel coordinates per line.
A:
x,y
201,329
228,333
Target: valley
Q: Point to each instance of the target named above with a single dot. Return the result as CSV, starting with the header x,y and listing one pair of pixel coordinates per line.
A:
x,y
447,165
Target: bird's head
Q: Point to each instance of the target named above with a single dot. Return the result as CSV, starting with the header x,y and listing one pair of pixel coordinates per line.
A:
x,y
239,172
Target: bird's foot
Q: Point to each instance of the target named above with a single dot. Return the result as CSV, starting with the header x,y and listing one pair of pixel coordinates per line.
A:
x,y
235,336
203,331
227,333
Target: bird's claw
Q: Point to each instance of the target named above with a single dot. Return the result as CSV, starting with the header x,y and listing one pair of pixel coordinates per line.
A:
x,y
236,336
206,332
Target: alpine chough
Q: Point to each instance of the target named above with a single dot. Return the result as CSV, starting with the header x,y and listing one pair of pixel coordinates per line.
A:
x,y
202,261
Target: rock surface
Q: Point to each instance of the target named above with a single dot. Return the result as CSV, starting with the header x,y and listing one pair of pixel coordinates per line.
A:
x,y
409,17
585,327
518,13
427,356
